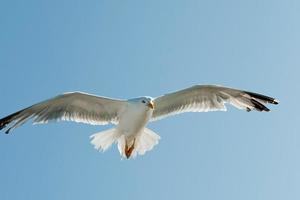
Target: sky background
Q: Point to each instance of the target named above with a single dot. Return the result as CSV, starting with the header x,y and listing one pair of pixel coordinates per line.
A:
x,y
125,49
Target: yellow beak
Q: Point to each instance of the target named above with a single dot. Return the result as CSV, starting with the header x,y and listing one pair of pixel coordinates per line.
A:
x,y
151,105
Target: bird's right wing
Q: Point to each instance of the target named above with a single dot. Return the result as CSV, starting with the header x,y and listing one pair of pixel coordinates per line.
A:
x,y
204,98
74,106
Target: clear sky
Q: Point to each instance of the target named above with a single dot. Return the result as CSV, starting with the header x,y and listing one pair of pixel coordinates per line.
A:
x,y
125,49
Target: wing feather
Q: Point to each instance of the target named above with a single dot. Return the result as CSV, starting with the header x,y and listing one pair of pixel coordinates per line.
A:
x,y
204,98
74,106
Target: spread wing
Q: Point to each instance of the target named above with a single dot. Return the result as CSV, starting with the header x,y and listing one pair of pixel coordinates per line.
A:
x,y
204,98
75,106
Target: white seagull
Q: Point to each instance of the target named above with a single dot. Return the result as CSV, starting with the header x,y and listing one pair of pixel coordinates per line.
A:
x,y
131,116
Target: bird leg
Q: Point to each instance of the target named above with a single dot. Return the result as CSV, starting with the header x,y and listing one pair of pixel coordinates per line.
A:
x,y
129,150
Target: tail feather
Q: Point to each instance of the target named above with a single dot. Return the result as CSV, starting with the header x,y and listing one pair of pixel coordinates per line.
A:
x,y
103,140
121,145
129,147
145,141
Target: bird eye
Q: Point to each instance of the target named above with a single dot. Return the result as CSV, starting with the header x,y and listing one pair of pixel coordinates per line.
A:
x,y
143,101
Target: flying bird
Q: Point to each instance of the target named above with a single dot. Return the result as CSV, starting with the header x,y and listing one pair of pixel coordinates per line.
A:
x,y
131,116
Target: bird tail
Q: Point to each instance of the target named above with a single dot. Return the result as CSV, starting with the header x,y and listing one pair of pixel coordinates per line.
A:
x,y
103,140
144,141
128,147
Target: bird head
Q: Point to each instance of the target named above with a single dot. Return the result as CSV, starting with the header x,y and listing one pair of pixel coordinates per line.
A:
x,y
146,101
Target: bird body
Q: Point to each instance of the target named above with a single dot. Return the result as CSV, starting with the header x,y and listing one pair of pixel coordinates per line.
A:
x,y
134,117
131,116
132,121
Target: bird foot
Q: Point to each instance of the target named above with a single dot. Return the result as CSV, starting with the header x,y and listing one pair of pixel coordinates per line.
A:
x,y
129,150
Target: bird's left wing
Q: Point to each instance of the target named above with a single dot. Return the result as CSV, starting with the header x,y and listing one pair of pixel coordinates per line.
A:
x,y
74,106
204,98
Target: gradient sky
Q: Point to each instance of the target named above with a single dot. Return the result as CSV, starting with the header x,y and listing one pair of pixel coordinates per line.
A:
x,y
125,49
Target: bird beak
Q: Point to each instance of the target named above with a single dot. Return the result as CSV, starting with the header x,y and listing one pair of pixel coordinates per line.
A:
x,y
151,105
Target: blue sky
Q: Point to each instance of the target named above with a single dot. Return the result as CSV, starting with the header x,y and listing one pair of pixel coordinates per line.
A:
x,y
124,49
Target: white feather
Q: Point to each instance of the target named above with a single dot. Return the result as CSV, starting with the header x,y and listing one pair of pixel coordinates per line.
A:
x,y
103,140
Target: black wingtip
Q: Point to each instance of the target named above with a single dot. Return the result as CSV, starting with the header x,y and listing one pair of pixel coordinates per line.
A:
x,y
2,126
8,119
263,97
3,123
275,102
259,106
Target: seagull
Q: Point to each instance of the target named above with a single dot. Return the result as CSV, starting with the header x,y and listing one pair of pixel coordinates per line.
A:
x,y
131,116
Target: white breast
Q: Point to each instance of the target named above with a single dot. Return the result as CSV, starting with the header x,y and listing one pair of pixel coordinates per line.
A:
x,y
133,119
